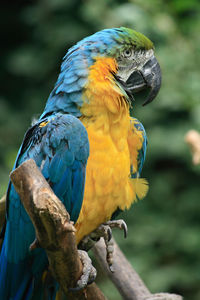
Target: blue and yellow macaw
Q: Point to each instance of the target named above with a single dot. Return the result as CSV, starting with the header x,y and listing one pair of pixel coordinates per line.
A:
x,y
89,107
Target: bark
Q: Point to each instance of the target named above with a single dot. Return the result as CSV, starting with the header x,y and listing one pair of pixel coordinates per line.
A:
x,y
125,278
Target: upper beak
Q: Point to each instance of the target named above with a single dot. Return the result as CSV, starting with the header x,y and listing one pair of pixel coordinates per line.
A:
x,y
149,76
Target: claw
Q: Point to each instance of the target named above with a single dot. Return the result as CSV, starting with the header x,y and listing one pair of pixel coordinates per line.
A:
x,y
104,231
89,272
109,233
118,224
35,244
125,228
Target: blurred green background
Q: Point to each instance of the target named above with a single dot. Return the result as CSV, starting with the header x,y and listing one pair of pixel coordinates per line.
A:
x,y
163,243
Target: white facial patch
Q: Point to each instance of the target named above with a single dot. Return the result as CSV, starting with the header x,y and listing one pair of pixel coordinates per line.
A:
x,y
127,65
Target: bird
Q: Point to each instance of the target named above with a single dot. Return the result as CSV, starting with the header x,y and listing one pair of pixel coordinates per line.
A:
x,y
98,78
87,145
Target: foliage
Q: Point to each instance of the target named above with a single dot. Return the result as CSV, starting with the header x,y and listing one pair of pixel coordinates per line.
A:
x,y
163,242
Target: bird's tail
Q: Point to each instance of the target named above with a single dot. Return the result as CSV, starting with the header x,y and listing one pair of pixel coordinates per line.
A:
x,y
17,281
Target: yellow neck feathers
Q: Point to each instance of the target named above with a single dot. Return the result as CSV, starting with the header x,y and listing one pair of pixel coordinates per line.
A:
x,y
104,105
102,91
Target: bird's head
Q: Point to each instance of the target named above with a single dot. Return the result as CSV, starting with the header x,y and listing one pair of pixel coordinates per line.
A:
x,y
120,56
137,67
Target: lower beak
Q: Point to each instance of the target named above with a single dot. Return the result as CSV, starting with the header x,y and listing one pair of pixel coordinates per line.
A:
x,y
149,76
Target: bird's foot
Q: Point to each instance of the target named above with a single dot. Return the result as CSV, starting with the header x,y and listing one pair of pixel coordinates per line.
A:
x,y
104,231
89,272
118,224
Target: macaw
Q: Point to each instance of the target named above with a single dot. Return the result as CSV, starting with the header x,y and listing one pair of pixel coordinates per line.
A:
x,y
89,107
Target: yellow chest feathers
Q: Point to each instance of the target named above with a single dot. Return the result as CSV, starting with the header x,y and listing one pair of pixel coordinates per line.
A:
x,y
107,185
106,117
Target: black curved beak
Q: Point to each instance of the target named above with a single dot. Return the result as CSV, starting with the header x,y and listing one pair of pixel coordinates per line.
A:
x,y
148,77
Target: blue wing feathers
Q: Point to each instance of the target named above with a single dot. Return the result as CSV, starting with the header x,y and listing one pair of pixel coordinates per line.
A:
x,y
77,191
58,164
64,185
60,148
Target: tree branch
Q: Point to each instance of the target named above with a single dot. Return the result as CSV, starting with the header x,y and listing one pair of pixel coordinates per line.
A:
x,y
192,138
125,278
54,231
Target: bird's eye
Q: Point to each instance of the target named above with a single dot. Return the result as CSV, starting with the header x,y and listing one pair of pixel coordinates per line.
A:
x,y
128,53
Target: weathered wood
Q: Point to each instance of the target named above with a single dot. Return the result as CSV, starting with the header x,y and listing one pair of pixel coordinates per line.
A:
x,y
192,138
125,278
54,231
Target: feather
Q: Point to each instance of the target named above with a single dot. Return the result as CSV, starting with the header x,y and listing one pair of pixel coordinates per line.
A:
x,y
140,186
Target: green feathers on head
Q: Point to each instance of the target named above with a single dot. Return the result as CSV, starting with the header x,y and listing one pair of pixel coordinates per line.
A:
x,y
128,38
